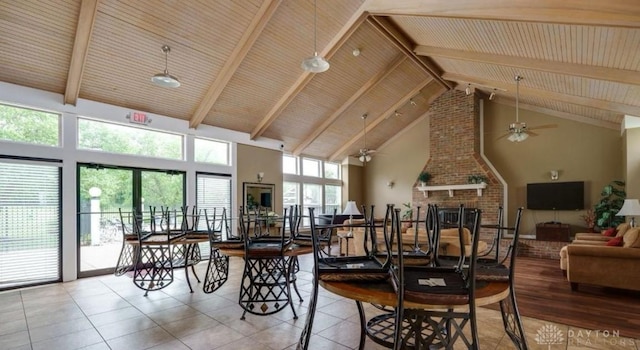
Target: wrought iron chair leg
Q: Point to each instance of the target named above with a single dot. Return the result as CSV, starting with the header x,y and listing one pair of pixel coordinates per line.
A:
x,y
512,321
363,324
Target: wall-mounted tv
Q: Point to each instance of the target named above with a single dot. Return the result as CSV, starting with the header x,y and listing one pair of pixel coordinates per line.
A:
x,y
556,196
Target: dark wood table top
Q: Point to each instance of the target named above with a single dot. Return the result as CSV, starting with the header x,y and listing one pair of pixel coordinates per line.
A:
x,y
381,292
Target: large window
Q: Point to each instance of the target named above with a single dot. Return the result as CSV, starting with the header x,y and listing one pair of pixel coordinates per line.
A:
x,y
30,223
313,184
121,139
212,151
29,126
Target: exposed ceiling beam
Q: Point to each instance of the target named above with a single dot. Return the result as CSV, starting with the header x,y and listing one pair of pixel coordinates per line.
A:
x,y
370,84
593,72
86,19
433,87
546,94
238,54
391,31
338,40
559,114
615,13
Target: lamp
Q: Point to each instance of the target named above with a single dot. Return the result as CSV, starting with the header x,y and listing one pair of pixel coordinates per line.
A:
x,y
165,79
631,207
260,176
315,63
351,209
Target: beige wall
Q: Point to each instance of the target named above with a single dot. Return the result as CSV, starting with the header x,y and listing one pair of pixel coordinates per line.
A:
x,y
400,161
632,156
252,160
581,152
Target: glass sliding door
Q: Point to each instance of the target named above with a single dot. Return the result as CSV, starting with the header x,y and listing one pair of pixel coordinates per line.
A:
x,y
30,223
102,191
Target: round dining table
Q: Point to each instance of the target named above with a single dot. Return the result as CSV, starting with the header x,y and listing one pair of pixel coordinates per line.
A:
x,y
381,293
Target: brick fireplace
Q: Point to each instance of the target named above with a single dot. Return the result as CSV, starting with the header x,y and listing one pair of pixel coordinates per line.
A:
x,y
454,120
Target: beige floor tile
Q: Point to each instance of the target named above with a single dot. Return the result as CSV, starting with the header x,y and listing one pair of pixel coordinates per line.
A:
x,y
70,341
172,345
131,325
114,316
59,329
212,338
184,327
141,340
281,336
8,327
173,314
15,340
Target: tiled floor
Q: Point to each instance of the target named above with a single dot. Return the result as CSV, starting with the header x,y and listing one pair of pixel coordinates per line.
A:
x,y
111,313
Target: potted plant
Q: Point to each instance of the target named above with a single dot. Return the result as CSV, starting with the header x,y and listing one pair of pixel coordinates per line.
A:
x,y
611,200
407,215
424,177
476,179
589,218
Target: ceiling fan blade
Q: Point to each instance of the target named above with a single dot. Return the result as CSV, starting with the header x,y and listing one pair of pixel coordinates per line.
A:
x,y
503,136
546,126
531,133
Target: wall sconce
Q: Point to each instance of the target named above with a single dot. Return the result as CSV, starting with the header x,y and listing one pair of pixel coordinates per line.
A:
x,y
554,175
390,184
260,176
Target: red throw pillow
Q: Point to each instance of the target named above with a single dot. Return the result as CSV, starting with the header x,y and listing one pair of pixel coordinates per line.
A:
x,y
610,232
615,242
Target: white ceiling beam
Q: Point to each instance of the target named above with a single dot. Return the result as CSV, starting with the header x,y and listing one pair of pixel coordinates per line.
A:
x,y
559,114
546,94
593,72
335,43
366,87
615,13
391,31
84,29
433,87
236,57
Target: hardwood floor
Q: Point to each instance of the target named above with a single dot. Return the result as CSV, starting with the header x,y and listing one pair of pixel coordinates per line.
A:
x,y
544,293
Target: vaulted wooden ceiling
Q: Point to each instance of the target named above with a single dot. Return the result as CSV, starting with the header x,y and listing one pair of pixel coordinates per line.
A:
x,y
239,61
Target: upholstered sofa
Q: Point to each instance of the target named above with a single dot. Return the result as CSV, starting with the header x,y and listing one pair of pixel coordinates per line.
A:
x,y
598,239
449,241
603,265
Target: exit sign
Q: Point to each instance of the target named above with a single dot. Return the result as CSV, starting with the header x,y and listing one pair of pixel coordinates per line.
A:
x,y
138,118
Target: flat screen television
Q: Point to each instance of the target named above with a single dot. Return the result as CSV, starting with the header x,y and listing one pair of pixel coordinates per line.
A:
x,y
555,196
265,200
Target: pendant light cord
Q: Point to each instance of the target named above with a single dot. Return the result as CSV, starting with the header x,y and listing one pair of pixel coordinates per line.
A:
x,y
518,78
315,27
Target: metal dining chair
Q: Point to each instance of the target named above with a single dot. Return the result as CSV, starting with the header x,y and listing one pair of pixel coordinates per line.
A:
x,y
453,287
218,265
265,286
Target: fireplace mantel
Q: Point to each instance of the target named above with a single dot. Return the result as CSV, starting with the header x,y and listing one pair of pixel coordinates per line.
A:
x,y
450,188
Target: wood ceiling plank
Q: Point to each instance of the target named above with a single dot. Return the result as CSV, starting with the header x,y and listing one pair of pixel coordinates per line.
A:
x,y
578,100
395,35
86,20
593,72
371,83
381,117
252,33
615,13
338,40
560,114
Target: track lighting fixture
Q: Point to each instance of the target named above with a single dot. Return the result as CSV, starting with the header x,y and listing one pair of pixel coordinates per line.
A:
x,y
468,90
493,95
397,114
412,102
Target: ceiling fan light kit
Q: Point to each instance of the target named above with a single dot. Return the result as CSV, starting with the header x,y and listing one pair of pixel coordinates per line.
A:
x,y
165,79
315,63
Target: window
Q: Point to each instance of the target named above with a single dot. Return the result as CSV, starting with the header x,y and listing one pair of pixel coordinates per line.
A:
x,y
289,165
30,199
311,167
316,184
121,139
211,151
332,198
29,126
332,171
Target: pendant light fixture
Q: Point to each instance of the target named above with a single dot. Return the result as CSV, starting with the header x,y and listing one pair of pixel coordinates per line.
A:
x,y
315,63
165,79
